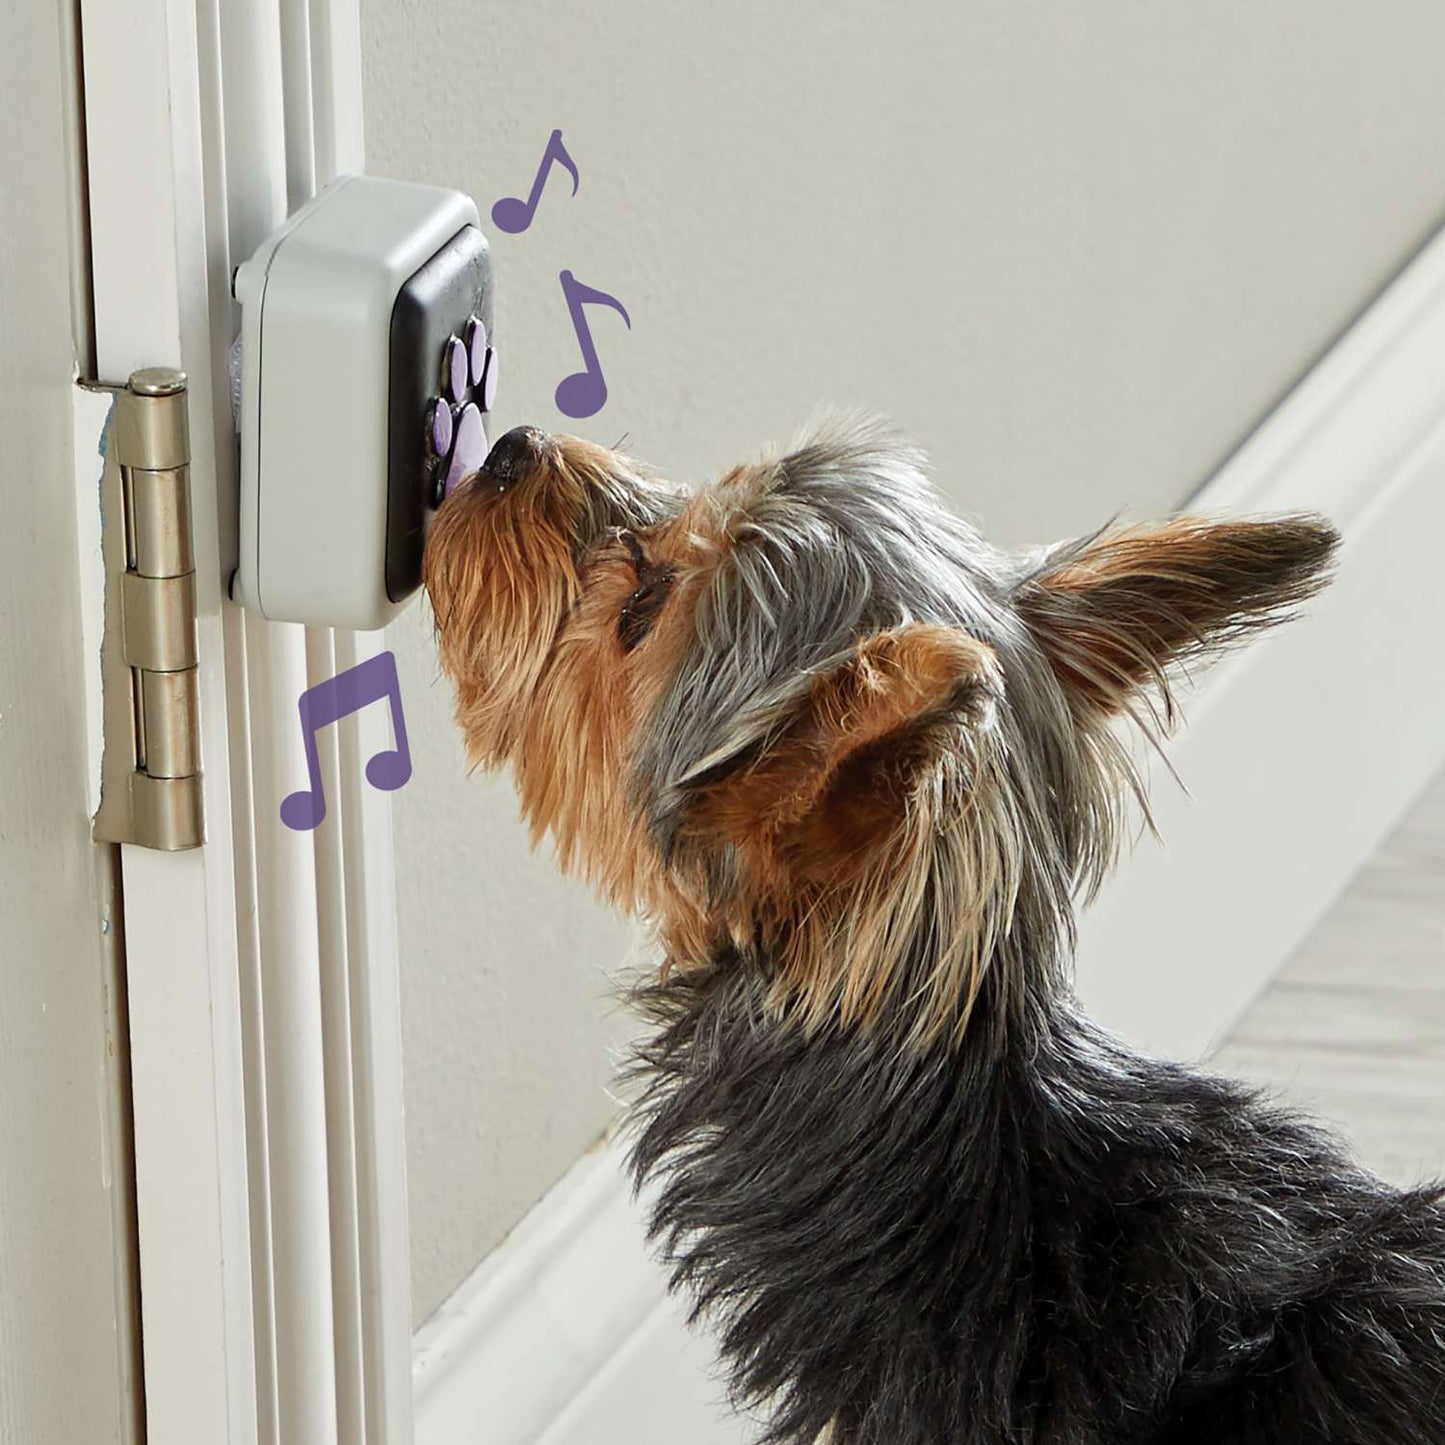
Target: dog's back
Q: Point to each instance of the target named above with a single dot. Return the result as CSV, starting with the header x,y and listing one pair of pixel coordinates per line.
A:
x,y
1047,1240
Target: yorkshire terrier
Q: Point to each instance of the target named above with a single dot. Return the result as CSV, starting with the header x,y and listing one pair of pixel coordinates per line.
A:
x,y
857,767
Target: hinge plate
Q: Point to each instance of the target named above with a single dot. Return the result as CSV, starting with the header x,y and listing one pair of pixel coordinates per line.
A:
x,y
150,776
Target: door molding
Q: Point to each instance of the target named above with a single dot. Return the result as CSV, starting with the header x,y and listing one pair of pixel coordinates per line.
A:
x,y
262,968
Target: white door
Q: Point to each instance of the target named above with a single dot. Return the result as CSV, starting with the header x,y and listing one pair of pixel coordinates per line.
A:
x,y
68,1365
265,1054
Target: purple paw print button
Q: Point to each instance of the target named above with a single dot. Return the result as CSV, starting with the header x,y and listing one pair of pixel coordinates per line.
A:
x,y
456,435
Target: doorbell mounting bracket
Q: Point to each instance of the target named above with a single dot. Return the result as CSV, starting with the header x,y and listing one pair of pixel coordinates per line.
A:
x,y
346,317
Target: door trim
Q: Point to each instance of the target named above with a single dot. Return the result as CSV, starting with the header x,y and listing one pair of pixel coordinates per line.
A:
x,y
263,989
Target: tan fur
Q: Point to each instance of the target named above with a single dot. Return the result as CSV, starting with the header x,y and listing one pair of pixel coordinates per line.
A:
x,y
892,679
544,684
878,805
542,680
835,823
1114,614
500,579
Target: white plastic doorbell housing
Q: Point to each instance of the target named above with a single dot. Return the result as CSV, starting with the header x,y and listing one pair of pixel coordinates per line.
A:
x,y
347,315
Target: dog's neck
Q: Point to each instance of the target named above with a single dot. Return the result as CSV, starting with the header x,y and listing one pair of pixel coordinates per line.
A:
x,y
832,1196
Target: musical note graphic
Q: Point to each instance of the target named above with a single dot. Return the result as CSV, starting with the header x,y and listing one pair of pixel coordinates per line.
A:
x,y
512,213
584,393
329,702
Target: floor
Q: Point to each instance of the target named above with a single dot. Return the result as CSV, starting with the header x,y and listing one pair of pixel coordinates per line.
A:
x,y
1354,1026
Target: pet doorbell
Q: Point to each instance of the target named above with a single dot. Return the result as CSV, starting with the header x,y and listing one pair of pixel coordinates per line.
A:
x,y
366,365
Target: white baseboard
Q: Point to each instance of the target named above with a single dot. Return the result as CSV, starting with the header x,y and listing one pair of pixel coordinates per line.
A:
x,y
1300,754
565,1335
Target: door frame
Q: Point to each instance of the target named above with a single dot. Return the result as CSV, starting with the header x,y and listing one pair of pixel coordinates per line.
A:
x,y
265,1043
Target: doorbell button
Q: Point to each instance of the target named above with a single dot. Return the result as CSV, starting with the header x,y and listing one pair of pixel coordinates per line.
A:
x,y
458,365
442,427
477,346
489,380
359,318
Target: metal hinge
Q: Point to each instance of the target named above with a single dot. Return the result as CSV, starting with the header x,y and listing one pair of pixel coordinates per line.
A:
x,y
150,777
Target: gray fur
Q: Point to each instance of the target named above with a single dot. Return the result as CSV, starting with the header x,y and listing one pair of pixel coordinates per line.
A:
x,y
841,537
1016,1231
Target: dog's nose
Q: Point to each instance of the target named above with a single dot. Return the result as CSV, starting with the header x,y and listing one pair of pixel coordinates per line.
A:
x,y
514,453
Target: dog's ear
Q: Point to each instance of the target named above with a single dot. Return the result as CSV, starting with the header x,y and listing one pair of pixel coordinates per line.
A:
x,y
1113,611
828,773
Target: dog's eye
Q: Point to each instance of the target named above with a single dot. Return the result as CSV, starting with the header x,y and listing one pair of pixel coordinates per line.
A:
x,y
640,610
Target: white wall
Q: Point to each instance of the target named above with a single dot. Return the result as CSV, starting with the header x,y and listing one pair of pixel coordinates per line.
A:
x,y
1078,249
66,1334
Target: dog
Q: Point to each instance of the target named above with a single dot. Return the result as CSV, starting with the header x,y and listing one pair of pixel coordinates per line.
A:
x,y
858,768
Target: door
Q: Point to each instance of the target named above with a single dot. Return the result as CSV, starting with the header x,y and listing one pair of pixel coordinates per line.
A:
x,y
68,1367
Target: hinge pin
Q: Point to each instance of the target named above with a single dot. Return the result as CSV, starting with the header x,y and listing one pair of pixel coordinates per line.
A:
x,y
151,767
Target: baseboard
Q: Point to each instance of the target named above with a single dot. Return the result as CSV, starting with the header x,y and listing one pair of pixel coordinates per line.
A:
x,y
1299,756
565,1335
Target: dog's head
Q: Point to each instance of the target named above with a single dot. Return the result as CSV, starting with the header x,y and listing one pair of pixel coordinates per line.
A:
x,y
811,722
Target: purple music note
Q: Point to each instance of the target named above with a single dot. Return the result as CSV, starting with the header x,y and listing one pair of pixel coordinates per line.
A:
x,y
584,393
514,214
329,702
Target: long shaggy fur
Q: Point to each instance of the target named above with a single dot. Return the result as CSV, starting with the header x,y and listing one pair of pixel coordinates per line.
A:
x,y
858,767
1044,1239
